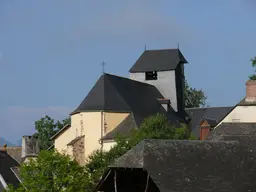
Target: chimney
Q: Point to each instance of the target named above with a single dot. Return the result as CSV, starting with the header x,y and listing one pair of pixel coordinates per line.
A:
x,y
29,146
166,103
250,91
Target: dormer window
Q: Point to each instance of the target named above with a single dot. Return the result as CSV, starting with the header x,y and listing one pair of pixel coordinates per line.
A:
x,y
151,75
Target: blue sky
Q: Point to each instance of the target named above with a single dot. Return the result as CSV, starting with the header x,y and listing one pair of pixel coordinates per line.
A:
x,y
50,51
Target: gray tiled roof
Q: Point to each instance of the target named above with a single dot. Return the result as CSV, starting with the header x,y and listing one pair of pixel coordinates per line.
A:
x,y
158,60
14,152
119,94
211,122
227,131
6,163
194,166
2,189
198,114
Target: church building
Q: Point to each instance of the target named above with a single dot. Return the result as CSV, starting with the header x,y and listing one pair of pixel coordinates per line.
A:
x,y
117,104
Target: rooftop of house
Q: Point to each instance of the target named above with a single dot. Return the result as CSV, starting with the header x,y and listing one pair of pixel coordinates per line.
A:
x,y
158,60
14,151
187,165
229,131
6,163
118,94
198,114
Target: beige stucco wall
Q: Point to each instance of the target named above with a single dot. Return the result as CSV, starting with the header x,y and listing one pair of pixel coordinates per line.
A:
x,y
92,123
60,143
241,114
112,120
93,126
76,124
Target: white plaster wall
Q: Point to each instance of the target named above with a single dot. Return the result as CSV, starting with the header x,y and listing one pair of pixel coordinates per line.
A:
x,y
246,114
165,83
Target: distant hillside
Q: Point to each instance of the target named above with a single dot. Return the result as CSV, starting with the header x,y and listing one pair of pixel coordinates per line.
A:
x,y
3,141
19,142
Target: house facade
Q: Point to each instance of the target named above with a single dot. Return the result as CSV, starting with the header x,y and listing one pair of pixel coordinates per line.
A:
x,y
241,115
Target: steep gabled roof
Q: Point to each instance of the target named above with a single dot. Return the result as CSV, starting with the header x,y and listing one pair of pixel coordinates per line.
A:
x,y
6,163
198,114
194,166
119,94
158,60
14,152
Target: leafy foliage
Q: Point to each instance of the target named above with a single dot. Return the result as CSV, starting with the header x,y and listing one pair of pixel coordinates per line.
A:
x,y
56,172
46,127
155,127
253,77
194,97
52,172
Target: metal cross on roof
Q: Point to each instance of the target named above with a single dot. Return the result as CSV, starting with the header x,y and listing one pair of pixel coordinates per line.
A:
x,y
103,66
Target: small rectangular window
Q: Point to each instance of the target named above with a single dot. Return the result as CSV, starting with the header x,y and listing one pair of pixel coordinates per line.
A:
x,y
152,75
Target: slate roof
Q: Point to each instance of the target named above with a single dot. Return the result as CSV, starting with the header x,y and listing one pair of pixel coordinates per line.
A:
x,y
14,152
210,121
1,187
6,163
198,114
158,60
119,94
188,165
231,131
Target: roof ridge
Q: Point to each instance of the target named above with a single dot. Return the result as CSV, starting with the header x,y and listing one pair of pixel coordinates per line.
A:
x,y
127,78
208,107
166,49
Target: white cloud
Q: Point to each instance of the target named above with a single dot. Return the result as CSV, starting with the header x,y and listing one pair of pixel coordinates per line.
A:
x,y
18,120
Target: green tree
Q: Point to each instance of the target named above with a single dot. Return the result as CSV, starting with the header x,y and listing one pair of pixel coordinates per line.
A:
x,y
55,172
51,172
154,127
194,97
253,77
46,127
